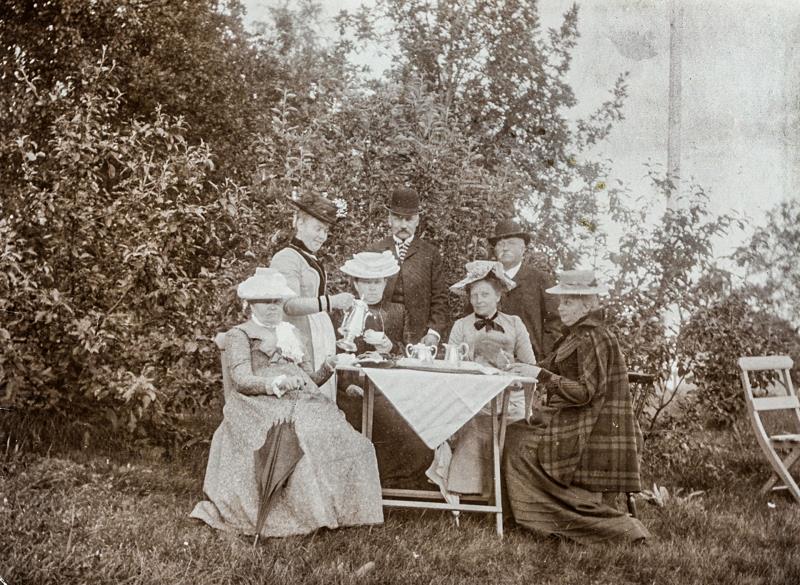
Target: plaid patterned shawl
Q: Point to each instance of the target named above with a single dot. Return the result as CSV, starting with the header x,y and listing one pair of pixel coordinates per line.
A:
x,y
591,440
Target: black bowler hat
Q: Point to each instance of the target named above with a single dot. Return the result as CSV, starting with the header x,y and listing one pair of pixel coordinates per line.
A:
x,y
508,229
316,205
404,201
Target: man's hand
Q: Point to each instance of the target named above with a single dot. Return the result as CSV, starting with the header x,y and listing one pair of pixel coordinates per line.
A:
x,y
430,339
354,391
342,301
526,370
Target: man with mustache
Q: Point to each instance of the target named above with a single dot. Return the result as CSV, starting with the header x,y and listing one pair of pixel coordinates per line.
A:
x,y
419,286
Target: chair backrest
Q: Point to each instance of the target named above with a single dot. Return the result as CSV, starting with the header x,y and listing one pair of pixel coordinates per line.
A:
x,y
641,386
219,340
784,399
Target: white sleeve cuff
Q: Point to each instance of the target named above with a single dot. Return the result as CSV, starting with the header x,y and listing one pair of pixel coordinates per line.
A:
x,y
276,385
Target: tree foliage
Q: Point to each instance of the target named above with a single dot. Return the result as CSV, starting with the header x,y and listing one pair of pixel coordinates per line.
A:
x,y
771,260
500,78
147,150
664,272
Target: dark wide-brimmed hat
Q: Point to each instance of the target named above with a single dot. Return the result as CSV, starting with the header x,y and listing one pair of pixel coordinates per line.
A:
x,y
508,229
319,206
404,201
577,282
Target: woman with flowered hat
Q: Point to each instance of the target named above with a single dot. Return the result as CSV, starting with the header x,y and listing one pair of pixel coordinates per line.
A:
x,y
336,482
584,441
494,338
306,276
402,455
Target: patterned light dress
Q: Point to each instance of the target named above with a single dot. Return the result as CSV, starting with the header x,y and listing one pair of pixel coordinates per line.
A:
x,y
335,483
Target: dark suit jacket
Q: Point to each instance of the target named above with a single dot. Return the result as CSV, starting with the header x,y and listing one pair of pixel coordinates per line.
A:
x,y
537,309
424,290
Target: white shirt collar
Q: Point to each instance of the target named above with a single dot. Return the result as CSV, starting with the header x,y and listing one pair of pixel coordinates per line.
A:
x,y
255,320
407,241
512,272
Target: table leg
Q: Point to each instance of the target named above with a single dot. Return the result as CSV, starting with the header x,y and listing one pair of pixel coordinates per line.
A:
x,y
370,392
362,382
497,498
504,419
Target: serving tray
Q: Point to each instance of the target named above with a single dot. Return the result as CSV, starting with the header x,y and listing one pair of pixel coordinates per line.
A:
x,y
442,366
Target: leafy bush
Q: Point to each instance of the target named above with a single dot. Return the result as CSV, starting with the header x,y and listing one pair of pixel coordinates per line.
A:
x,y
115,248
661,274
717,336
770,259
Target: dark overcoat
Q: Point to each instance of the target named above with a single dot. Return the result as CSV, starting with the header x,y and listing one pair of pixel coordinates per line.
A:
x,y
592,438
537,309
424,293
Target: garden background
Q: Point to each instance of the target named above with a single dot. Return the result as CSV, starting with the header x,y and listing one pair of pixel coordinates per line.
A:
x,y
146,153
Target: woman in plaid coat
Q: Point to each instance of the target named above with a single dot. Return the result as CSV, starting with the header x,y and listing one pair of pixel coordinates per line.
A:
x,y
584,440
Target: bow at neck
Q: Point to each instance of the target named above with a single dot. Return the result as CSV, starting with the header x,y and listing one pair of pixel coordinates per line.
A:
x,y
489,323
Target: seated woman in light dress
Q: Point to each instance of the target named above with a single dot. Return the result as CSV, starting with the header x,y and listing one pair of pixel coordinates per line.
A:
x,y
495,339
335,483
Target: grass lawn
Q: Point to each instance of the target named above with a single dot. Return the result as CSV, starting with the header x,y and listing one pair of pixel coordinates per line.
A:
x,y
83,517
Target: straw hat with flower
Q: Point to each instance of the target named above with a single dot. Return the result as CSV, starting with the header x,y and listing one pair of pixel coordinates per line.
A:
x,y
480,270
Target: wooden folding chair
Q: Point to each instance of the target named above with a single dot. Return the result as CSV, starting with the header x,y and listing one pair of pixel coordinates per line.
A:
x,y
784,400
641,386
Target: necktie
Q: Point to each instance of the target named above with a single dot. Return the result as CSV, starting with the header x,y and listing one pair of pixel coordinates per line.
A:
x,y
402,248
489,324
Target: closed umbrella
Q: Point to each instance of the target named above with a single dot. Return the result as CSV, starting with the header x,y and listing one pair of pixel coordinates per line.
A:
x,y
275,461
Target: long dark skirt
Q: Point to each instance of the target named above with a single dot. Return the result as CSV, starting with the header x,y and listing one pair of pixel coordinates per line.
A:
x,y
402,456
547,507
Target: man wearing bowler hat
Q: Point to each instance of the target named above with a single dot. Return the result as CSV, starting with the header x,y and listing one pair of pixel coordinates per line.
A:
x,y
419,286
527,300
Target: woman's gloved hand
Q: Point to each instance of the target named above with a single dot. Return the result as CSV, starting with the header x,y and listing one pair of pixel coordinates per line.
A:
x,y
342,301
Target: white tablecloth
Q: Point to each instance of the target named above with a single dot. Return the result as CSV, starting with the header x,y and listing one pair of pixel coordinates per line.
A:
x,y
436,404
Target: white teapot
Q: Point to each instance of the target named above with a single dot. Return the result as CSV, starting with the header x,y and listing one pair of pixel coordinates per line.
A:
x,y
422,352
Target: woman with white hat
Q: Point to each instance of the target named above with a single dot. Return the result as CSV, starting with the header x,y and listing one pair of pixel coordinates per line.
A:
x,y
309,310
369,273
584,441
336,482
495,339
402,455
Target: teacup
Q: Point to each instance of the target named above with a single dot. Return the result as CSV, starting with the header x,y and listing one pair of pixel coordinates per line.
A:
x,y
374,337
345,359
